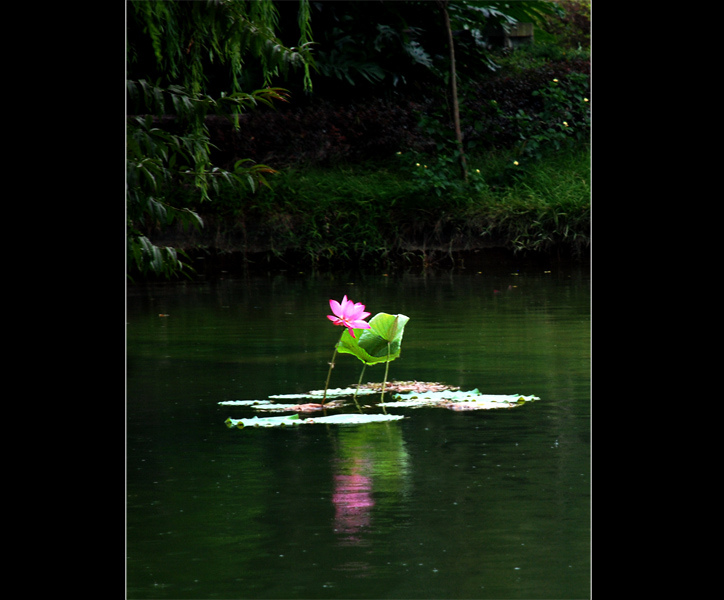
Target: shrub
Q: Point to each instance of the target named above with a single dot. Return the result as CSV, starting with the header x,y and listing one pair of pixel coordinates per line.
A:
x,y
322,133
319,134
574,29
563,118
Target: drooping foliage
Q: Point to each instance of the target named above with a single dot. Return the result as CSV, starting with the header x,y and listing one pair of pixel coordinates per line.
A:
x,y
372,48
186,60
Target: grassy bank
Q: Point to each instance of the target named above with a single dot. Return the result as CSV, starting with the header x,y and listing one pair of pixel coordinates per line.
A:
x,y
408,209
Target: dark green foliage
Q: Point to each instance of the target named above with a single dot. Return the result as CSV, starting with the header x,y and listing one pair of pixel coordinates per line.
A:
x,y
174,51
370,160
321,134
324,133
573,29
378,215
491,104
563,118
367,49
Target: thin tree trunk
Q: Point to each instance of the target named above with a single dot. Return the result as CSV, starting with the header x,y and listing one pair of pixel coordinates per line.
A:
x,y
453,78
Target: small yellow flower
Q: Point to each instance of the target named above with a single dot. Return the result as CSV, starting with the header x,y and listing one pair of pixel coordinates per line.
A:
x,y
555,81
477,170
585,99
566,124
418,164
515,162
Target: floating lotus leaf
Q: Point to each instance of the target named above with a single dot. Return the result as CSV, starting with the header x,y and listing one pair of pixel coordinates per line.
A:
x,y
286,421
244,402
352,419
407,386
308,407
458,400
421,394
282,407
294,420
334,392
409,403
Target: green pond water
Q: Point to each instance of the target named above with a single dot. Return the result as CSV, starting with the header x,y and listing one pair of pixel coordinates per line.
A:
x,y
441,504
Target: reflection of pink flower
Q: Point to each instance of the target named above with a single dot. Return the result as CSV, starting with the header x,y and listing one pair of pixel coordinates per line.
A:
x,y
349,315
353,501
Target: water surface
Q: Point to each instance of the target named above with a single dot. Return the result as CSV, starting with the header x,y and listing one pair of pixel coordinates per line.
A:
x,y
442,504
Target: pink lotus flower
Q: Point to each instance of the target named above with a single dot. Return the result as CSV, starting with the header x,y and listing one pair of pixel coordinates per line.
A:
x,y
349,315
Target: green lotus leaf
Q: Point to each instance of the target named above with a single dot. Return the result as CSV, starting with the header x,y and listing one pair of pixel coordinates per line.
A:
x,y
350,345
380,343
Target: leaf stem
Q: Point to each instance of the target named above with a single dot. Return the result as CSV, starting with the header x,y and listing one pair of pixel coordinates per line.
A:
x,y
359,383
384,383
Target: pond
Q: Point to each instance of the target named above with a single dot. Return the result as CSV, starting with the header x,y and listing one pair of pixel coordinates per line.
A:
x,y
440,504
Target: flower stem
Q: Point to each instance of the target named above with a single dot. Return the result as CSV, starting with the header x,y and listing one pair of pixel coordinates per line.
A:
x,y
331,366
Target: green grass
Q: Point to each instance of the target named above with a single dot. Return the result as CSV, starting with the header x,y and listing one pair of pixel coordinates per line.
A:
x,y
545,206
386,211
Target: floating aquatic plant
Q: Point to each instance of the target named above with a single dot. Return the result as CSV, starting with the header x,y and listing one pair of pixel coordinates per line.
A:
x,y
305,407
285,421
294,420
424,394
333,392
406,386
459,400
245,402
373,342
